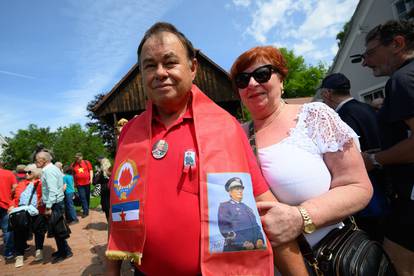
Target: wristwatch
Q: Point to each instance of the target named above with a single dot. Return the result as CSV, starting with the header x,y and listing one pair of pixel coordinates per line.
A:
x,y
375,163
308,225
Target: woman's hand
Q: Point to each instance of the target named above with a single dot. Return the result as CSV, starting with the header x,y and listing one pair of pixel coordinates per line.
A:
x,y
282,223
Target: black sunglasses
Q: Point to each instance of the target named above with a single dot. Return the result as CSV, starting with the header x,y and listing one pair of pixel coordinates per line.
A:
x,y
262,74
28,172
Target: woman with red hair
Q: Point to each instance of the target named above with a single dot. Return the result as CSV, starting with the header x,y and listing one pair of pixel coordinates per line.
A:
x,y
309,157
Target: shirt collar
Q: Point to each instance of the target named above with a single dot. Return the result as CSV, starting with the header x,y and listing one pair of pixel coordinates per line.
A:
x,y
342,103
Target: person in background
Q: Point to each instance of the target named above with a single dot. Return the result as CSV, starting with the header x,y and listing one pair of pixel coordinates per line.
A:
x,y
362,118
7,183
105,171
68,183
390,52
307,154
59,165
53,197
23,193
83,176
20,174
377,103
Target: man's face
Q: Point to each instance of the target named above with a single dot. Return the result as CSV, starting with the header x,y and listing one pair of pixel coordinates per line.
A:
x,y
40,162
78,158
167,74
236,193
379,58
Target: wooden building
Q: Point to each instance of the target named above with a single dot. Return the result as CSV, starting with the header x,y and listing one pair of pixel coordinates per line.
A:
x,y
127,98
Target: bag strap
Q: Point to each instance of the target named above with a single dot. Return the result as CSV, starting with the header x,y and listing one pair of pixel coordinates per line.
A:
x,y
33,191
304,246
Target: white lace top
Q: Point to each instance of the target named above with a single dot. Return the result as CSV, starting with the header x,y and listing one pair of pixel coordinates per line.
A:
x,y
294,167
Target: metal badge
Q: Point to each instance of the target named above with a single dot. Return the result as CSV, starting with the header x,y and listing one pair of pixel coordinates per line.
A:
x,y
159,149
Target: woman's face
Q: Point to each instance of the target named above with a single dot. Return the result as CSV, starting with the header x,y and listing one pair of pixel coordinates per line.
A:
x,y
29,175
261,99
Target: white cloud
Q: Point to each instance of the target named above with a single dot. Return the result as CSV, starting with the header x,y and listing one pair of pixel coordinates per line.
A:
x,y
300,24
16,74
267,16
243,3
305,46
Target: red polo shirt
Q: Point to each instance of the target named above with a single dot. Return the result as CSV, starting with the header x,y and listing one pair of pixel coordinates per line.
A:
x,y
172,214
7,180
81,172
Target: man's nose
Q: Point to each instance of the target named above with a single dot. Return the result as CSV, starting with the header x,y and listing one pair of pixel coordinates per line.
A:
x,y
161,71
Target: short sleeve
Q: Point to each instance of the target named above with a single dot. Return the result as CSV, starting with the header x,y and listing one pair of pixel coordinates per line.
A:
x,y
326,129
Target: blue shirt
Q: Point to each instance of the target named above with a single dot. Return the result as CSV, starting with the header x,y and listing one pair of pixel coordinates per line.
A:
x,y
68,180
52,185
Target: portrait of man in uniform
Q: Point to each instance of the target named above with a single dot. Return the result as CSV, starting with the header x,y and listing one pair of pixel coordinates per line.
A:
x,y
237,222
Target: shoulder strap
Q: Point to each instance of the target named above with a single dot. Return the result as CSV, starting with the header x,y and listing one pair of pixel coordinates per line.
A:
x,y
33,191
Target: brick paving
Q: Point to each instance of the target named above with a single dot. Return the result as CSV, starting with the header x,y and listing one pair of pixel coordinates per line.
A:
x,y
88,243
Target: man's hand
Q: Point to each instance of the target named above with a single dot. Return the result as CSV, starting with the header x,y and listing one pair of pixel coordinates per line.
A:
x,y
10,209
282,223
48,212
368,163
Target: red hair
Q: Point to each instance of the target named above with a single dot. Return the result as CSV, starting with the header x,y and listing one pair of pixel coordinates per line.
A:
x,y
266,54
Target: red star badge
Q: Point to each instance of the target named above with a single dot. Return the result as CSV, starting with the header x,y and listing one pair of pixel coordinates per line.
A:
x,y
122,215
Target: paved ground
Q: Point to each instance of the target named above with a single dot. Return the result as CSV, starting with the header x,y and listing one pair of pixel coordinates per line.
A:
x,y
88,243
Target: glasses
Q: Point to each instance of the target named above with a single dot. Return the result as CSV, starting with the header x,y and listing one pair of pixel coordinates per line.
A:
x,y
261,75
359,57
28,172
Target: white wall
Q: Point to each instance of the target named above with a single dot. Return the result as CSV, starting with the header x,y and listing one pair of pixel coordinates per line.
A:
x,y
368,14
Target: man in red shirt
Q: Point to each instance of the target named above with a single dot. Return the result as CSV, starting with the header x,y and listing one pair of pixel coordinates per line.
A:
x,y
83,176
7,183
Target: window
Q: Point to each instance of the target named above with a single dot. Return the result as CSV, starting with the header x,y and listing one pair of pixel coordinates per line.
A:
x,y
402,7
378,93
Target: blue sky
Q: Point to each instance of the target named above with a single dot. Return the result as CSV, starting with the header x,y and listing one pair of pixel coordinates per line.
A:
x,y
55,56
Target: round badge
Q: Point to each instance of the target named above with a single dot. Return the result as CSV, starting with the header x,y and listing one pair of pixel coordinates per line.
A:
x,y
159,149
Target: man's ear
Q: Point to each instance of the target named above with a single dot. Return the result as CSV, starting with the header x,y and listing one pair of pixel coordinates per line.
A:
x,y
193,68
399,43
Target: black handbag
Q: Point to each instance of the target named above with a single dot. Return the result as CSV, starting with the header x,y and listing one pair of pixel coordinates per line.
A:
x,y
347,251
21,220
76,199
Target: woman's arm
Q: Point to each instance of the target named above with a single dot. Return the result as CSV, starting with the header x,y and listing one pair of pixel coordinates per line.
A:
x,y
287,257
350,191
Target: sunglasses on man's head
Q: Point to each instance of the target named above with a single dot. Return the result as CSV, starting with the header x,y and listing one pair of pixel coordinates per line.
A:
x,y
261,74
28,172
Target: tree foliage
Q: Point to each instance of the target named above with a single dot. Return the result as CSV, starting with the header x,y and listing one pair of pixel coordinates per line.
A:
x,y
106,131
341,35
302,80
64,143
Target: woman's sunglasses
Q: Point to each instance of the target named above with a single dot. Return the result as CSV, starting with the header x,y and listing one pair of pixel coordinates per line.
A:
x,y
261,75
28,172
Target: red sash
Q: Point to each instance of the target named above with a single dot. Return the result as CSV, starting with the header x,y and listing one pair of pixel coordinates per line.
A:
x,y
221,154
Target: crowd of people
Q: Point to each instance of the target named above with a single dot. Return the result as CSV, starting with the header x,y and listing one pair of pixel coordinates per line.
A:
x,y
38,200
193,192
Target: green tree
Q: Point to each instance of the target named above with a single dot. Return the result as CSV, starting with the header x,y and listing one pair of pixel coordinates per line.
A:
x,y
302,80
64,143
341,35
73,139
106,131
19,149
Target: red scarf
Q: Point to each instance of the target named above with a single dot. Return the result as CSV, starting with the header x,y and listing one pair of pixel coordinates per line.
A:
x,y
220,151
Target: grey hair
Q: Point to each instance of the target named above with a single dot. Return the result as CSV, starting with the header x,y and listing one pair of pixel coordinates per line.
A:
x,y
44,155
36,172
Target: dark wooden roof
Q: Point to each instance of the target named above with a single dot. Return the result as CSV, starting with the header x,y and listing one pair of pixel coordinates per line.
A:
x,y
127,97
